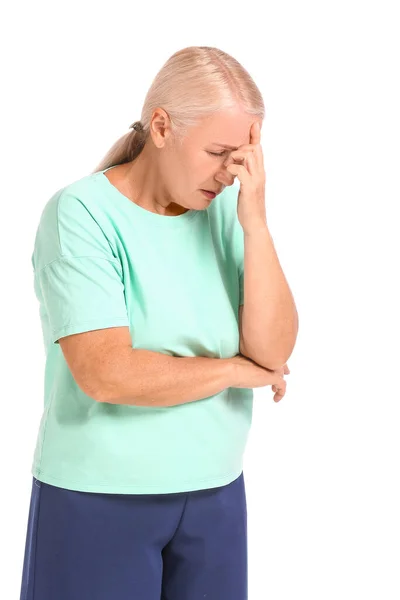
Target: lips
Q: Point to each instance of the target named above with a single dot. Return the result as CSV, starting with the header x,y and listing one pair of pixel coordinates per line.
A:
x,y
209,194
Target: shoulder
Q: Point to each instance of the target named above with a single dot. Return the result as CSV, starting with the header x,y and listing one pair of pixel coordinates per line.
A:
x,y
67,200
69,224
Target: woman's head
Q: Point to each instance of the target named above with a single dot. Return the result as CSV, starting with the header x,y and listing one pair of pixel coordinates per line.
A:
x,y
201,97
195,83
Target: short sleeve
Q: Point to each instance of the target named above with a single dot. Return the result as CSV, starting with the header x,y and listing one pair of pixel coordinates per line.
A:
x,y
78,277
81,293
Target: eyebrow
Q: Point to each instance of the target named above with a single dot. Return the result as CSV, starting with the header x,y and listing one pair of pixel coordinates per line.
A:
x,y
225,146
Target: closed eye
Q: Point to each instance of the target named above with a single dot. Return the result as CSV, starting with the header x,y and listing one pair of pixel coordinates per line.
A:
x,y
215,153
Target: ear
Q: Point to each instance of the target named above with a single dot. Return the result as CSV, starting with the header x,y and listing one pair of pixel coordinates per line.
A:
x,y
160,127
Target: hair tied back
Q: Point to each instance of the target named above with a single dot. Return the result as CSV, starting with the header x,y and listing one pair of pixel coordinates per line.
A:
x,y
137,126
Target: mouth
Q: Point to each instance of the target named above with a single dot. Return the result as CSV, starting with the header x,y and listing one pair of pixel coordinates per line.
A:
x,y
209,195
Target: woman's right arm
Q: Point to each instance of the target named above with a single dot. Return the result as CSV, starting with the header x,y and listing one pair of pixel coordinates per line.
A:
x,y
108,369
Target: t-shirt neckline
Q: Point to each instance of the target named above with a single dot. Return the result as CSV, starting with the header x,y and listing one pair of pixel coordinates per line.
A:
x,y
143,213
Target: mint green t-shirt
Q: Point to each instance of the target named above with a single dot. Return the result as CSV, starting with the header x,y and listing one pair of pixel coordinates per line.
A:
x,y
100,260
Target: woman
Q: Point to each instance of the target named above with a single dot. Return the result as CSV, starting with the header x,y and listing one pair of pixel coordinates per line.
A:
x,y
138,488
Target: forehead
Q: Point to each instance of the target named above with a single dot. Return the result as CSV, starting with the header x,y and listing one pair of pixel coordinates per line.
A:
x,y
229,129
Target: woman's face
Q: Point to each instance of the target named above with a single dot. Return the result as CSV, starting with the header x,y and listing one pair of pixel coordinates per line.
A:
x,y
197,163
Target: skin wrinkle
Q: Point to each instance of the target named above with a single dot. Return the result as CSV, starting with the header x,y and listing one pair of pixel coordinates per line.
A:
x,y
167,176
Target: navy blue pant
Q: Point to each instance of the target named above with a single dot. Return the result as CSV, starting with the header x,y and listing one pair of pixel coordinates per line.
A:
x,y
183,546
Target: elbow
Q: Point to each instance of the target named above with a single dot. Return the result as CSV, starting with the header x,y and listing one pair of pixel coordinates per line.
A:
x,y
92,385
92,391
104,391
265,361
271,365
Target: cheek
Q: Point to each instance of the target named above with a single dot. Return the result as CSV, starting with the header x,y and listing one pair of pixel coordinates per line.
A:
x,y
192,170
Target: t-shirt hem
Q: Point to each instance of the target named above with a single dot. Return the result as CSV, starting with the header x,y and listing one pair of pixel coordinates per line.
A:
x,y
106,488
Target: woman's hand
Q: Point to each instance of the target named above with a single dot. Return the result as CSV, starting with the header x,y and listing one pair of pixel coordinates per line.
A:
x,y
251,174
249,374
280,392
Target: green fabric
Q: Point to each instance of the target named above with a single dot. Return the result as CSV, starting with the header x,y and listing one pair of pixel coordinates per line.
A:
x,y
100,260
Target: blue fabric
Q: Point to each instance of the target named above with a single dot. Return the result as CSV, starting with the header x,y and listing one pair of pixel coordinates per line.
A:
x,y
179,546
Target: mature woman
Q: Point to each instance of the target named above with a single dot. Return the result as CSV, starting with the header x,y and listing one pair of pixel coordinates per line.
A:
x,y
152,354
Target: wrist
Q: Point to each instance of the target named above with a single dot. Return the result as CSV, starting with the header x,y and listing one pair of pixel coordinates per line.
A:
x,y
260,229
230,372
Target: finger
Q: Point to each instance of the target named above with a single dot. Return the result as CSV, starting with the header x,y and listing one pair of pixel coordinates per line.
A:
x,y
280,392
248,160
244,151
245,148
279,395
255,133
241,173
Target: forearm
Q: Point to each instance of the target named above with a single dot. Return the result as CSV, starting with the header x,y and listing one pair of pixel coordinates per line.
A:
x,y
269,320
146,378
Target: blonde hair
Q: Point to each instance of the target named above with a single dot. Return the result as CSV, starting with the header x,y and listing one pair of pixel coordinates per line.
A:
x,y
194,83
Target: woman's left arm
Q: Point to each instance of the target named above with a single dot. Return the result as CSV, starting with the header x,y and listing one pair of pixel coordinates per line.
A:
x,y
269,319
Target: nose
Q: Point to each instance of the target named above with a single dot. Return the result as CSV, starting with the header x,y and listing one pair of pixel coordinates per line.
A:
x,y
225,177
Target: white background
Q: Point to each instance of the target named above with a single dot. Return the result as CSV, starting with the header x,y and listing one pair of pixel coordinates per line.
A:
x,y
321,466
